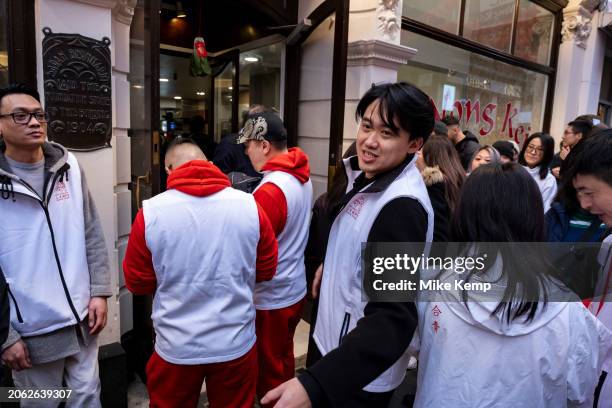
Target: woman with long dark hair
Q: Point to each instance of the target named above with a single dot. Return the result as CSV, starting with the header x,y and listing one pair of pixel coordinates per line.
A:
x,y
536,156
439,152
516,345
443,174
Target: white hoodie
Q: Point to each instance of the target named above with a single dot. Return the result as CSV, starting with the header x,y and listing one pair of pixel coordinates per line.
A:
x,y
548,186
468,358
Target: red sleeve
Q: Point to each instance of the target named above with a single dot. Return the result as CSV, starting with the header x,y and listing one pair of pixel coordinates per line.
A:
x,y
267,249
274,203
138,269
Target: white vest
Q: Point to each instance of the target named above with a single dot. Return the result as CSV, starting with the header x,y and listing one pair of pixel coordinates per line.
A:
x,y
341,304
288,286
28,254
204,253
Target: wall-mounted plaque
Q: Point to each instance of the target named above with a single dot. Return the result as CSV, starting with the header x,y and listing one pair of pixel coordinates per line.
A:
x,y
77,73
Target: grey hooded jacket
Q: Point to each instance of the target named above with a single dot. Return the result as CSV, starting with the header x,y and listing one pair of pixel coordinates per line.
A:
x,y
65,342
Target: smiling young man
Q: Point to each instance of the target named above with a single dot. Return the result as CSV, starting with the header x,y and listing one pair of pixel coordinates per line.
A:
x,y
363,344
53,255
591,175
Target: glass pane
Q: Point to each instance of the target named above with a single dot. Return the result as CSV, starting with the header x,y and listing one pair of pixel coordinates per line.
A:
x,y
534,33
260,77
489,22
223,101
493,100
140,140
442,14
3,43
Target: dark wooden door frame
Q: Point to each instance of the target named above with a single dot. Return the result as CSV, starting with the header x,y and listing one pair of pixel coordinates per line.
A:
x,y
21,36
151,67
293,61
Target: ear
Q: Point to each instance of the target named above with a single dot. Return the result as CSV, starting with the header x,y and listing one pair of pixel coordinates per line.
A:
x,y
414,145
266,146
168,169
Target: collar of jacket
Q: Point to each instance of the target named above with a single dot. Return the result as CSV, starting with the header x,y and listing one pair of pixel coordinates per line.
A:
x,y
198,178
55,154
381,181
432,175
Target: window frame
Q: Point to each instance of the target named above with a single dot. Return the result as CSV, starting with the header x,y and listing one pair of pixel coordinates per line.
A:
x,y
22,42
457,40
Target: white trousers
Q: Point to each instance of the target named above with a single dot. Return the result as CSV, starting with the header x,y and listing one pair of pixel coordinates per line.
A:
x,y
79,371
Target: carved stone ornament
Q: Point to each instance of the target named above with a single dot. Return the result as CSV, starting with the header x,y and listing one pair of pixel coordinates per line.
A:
x,y
124,11
577,27
379,53
389,19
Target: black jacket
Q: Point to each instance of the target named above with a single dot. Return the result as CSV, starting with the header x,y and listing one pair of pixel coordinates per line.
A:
x,y
230,157
434,180
341,374
467,148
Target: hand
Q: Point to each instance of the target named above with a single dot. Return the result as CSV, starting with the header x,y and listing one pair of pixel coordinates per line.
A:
x,y
98,311
556,171
316,282
290,394
564,152
17,357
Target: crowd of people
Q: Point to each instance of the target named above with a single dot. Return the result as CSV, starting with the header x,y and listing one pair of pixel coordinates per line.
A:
x,y
231,264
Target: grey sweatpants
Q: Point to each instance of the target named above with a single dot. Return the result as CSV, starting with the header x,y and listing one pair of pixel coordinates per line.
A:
x,y
79,371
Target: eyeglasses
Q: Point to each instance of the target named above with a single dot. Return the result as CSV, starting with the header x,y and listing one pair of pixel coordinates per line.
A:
x,y
534,149
23,118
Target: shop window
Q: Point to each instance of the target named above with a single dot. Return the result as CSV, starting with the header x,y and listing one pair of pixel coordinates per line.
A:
x,y
442,14
260,77
489,22
4,62
492,99
534,33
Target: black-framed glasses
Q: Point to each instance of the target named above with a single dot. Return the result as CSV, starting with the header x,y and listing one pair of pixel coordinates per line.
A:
x,y
534,149
23,118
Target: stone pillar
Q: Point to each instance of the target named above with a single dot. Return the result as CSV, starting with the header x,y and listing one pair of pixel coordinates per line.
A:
x,y
580,65
374,52
107,170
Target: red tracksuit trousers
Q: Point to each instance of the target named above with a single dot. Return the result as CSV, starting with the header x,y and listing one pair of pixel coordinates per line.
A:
x,y
228,385
275,330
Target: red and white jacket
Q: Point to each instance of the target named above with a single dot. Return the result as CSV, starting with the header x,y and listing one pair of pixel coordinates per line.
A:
x,y
285,193
200,247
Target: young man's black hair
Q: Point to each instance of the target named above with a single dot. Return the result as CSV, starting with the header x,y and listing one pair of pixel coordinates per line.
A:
x,y
18,89
404,103
581,126
450,120
593,157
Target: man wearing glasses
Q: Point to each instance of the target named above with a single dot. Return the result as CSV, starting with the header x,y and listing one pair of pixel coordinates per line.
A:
x,y
53,255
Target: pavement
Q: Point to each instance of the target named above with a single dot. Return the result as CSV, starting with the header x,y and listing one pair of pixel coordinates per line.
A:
x,y
139,398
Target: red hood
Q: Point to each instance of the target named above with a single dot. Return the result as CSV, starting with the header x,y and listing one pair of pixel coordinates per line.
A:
x,y
294,162
198,178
